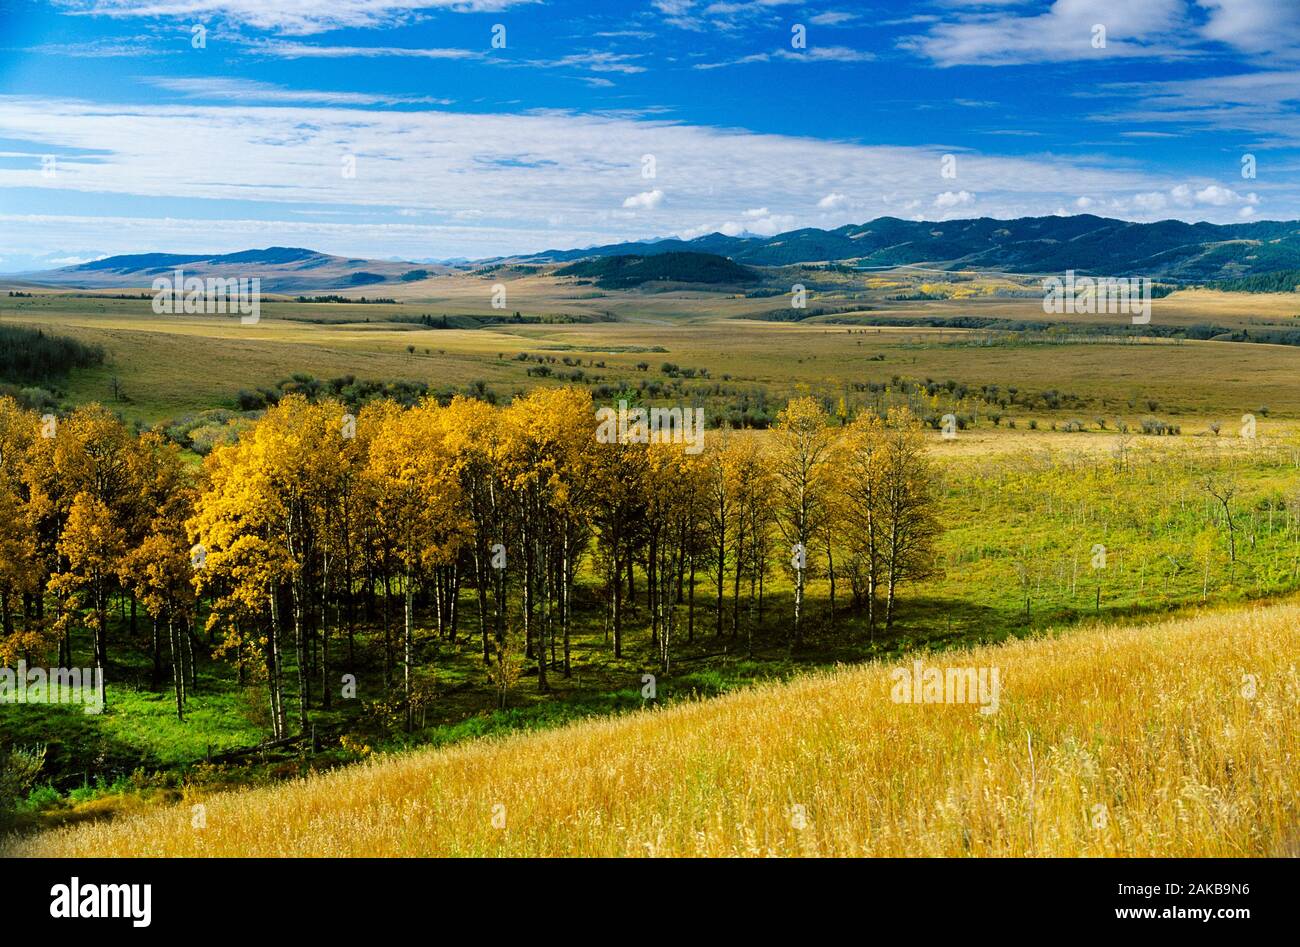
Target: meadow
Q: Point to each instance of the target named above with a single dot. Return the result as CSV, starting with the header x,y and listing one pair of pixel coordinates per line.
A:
x,y
1168,740
1050,465
162,368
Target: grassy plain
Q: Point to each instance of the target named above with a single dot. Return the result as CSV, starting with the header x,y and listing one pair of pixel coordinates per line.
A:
x,y
168,366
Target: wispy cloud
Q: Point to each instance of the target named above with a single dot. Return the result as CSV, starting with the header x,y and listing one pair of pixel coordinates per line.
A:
x,y
293,50
299,17
100,49
812,54
1265,104
594,61
248,90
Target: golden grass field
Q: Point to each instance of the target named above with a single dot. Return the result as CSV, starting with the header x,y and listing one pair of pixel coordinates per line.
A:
x,y
1174,739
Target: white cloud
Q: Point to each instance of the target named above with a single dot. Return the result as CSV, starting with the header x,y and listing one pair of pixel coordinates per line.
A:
x,y
248,90
1150,202
832,18
646,200
950,199
1254,26
282,49
595,61
1166,29
518,172
811,54
1262,103
1188,197
1218,196
296,16
1142,28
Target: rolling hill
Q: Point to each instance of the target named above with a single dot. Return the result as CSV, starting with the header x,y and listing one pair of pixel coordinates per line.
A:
x,y
1116,741
623,272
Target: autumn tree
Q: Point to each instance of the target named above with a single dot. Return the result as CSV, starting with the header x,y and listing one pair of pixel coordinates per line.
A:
x,y
857,498
909,525
800,465
418,498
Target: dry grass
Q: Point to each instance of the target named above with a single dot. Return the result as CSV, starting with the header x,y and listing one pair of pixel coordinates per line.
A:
x,y
1155,724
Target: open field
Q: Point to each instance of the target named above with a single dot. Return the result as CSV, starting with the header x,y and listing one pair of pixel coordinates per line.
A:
x,y
1171,740
169,366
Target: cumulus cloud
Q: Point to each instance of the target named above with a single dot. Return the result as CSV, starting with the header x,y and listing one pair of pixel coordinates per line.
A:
x,y
646,200
950,199
1185,197
999,34
1063,32
1254,26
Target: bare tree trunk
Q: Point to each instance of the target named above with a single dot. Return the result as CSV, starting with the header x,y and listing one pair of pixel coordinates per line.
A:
x,y
178,671
408,646
325,638
275,671
156,646
300,646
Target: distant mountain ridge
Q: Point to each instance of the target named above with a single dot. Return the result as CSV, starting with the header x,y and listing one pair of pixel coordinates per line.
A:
x,y
281,270
1086,243
1167,249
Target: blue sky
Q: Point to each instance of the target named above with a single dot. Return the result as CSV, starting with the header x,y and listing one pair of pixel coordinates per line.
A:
x,y
398,128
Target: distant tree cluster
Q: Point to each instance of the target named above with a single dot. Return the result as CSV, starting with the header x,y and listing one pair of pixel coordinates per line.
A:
x,y
1281,281
34,355
335,298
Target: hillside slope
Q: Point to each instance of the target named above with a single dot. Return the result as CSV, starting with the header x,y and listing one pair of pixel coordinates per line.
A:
x,y
623,272
1115,741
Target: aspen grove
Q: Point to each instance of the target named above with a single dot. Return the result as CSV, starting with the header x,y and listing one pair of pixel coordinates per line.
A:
x,y
325,524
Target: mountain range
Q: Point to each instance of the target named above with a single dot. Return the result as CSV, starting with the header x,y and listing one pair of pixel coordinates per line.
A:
x,y
1168,249
1086,243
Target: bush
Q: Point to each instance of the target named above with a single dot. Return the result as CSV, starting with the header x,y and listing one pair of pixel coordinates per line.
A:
x,y
18,771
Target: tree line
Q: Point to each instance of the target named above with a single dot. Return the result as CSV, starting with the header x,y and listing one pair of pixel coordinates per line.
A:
x,y
323,523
